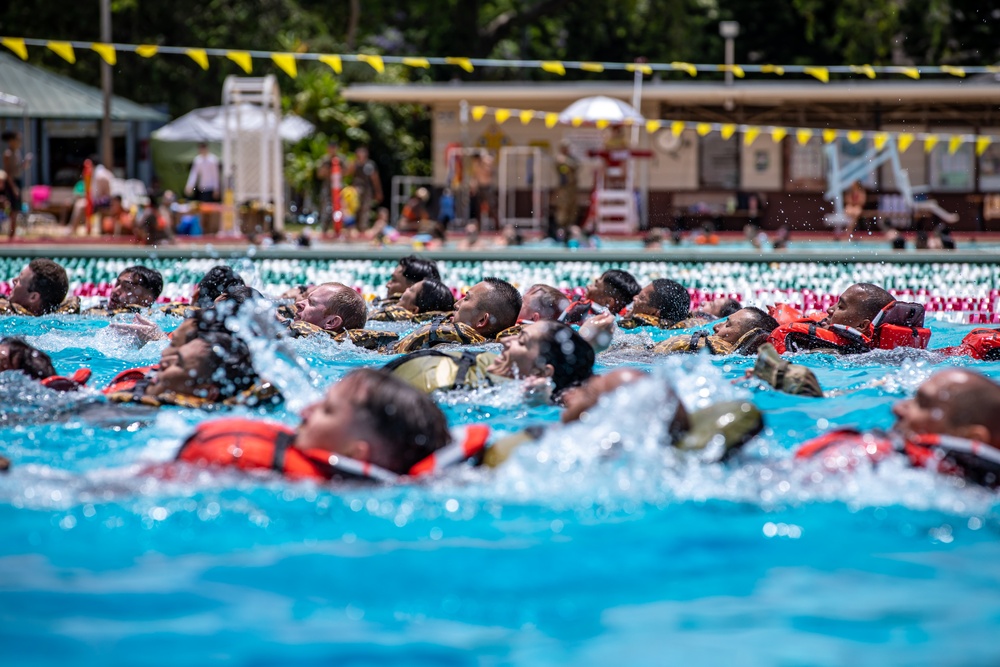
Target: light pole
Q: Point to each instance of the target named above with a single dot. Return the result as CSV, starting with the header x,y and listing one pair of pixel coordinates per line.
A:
x,y
729,30
107,150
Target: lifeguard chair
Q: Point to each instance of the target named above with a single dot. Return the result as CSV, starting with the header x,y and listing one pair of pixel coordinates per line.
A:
x,y
614,206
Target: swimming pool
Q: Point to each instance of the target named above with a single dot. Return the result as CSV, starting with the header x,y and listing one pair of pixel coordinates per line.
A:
x,y
574,551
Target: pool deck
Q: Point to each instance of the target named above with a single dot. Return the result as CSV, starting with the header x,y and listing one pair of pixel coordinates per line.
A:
x,y
973,248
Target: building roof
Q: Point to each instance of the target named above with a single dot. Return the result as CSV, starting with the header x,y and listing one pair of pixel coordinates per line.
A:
x,y
50,95
761,93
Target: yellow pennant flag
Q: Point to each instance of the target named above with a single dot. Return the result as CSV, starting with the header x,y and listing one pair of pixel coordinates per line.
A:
x,y
954,143
335,63
727,131
147,50
478,113
685,67
750,136
735,69
375,62
286,61
554,67
821,73
773,69
464,63
867,70
422,63
954,71
199,56
592,67
930,142
551,119
106,52
803,135
904,141
639,67
779,133
16,44
911,72
526,117
703,128
829,136
63,49
602,123
880,139
576,122
241,58
982,143
501,115
653,125
854,136
677,127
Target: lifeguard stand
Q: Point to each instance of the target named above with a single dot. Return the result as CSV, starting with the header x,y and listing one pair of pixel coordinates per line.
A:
x,y
252,168
613,204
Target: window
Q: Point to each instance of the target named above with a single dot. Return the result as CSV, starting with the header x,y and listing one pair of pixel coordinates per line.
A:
x,y
719,163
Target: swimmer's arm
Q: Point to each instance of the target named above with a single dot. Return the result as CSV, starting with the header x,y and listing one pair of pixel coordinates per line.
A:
x,y
599,331
141,330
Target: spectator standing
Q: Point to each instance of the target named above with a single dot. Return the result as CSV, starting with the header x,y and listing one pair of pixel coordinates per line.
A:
x,y
14,163
203,181
367,182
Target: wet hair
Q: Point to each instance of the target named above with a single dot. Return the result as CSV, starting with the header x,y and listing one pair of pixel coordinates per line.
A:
x,y
731,306
976,401
9,134
50,281
434,296
873,299
671,300
233,370
148,279
416,269
549,303
503,303
216,281
29,360
571,357
406,423
760,320
240,294
349,305
621,284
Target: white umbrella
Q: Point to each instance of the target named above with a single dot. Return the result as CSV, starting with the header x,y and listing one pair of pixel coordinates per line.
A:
x,y
208,124
600,109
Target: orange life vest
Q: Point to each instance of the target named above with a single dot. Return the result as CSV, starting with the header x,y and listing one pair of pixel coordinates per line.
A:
x,y
974,461
127,379
62,383
250,444
982,344
899,324
786,314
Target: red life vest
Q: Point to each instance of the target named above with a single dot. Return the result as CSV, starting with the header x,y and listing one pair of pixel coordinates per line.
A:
x,y
250,444
899,324
974,461
982,344
75,381
786,314
127,379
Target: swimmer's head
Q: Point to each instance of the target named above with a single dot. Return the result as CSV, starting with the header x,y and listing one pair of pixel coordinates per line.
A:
x,y
489,307
136,286
546,349
216,281
614,290
333,307
956,402
663,298
374,417
40,287
734,327
17,355
858,306
722,306
427,296
411,270
580,400
542,302
213,365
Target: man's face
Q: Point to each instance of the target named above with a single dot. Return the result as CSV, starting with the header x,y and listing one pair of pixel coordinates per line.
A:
x,y
582,398
330,424
6,363
186,369
642,304
362,154
733,327
531,305
715,306
847,310
929,411
184,332
521,356
409,298
312,307
470,309
597,292
20,294
397,283
128,292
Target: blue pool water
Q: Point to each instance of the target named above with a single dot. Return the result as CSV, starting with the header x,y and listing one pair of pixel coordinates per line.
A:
x,y
574,552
